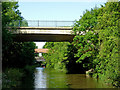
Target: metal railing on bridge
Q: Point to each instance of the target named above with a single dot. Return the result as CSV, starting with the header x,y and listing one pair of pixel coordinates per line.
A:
x,y
40,23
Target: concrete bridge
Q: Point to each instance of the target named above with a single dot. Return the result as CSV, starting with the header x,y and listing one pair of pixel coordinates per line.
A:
x,y
38,59
41,50
59,31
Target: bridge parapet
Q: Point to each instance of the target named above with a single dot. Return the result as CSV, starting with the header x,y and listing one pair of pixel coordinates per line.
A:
x,y
41,23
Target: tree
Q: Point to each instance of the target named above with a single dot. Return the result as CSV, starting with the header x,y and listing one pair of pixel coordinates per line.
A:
x,y
15,54
86,43
98,48
55,57
108,26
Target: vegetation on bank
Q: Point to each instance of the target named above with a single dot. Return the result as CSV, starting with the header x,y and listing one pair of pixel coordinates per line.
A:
x,y
17,57
97,49
55,58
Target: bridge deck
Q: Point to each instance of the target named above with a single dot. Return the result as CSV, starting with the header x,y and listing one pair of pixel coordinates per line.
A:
x,y
56,34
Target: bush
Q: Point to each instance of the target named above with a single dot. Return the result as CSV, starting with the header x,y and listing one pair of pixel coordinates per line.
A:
x,y
11,78
29,69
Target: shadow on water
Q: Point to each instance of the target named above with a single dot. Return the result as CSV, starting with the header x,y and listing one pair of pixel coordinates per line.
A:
x,y
28,81
35,80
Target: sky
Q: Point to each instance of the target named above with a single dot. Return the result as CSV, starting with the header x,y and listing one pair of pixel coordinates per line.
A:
x,y
63,0
55,10
70,10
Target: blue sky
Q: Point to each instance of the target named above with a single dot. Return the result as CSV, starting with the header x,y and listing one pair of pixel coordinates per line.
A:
x,y
55,11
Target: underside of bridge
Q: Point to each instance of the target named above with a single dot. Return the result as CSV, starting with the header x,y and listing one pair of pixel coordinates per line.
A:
x,y
43,37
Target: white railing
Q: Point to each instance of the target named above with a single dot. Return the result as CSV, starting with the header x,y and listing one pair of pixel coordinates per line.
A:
x,y
41,23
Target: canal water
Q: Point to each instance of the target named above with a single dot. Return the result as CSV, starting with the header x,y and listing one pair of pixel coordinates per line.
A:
x,y
44,78
54,79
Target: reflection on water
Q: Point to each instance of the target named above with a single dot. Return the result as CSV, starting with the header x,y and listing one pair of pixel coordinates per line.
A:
x,y
83,81
54,79
40,78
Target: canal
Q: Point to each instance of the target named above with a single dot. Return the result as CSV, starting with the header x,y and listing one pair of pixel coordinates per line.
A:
x,y
43,78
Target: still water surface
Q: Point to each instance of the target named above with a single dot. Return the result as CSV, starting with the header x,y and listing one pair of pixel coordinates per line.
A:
x,y
52,79
40,78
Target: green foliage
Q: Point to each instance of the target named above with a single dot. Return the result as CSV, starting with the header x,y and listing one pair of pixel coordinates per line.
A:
x,y
87,21
98,48
108,26
29,69
61,57
10,13
55,57
17,56
11,78
87,42
18,23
